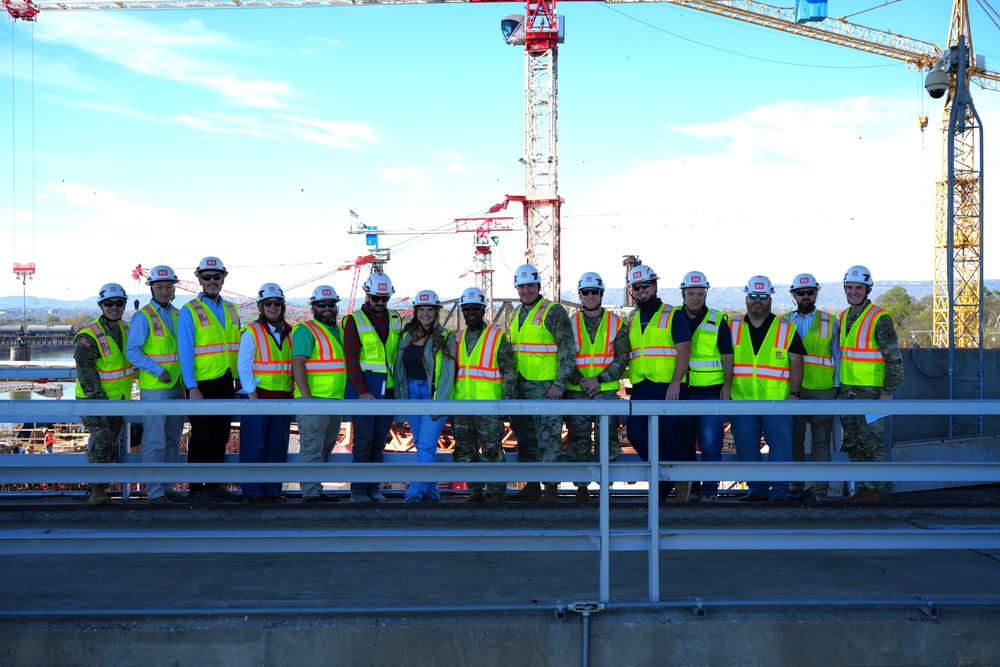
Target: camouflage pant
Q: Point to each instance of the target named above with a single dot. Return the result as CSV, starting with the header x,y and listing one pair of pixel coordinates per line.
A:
x,y
582,432
864,442
539,437
479,438
105,436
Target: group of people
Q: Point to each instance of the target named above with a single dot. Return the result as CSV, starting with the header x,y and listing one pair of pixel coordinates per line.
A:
x,y
688,352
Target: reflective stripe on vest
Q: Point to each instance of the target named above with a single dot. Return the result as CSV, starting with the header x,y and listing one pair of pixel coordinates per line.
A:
x,y
535,350
817,372
593,357
272,365
161,347
479,377
326,367
216,346
705,366
373,352
861,361
654,354
113,368
765,375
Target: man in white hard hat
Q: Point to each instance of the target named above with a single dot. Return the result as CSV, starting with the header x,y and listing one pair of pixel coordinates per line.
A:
x,y
767,366
871,368
320,370
545,354
601,360
661,350
820,332
103,373
152,349
371,339
710,374
208,344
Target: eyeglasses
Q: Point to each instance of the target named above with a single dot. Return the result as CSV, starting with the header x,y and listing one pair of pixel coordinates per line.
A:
x,y
758,297
471,306
590,291
211,276
272,303
325,304
639,286
806,292
114,303
378,299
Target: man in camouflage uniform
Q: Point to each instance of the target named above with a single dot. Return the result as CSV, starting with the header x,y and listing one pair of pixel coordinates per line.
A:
x,y
545,354
602,358
871,368
485,372
103,373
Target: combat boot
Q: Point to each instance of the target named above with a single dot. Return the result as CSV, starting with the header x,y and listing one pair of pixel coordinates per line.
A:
x,y
551,494
98,495
477,496
531,493
582,495
865,495
682,491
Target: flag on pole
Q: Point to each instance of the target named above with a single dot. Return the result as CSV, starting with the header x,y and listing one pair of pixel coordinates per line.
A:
x,y
353,214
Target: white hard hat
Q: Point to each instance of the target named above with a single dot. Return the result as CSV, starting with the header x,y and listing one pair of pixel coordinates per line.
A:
x,y
759,285
426,297
161,273
859,274
590,279
473,296
694,279
211,264
804,281
526,274
380,284
324,293
269,291
640,274
111,291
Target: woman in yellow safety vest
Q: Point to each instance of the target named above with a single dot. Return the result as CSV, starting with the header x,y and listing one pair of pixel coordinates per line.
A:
x,y
425,370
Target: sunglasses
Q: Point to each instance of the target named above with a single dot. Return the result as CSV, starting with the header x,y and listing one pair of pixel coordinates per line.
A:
x,y
325,304
639,286
211,276
590,291
272,303
114,303
758,297
378,299
806,292
469,307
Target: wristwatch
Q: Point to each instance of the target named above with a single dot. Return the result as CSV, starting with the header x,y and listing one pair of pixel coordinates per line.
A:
x,y
796,394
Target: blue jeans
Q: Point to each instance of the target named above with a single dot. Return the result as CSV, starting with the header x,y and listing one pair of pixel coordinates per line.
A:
x,y
370,431
263,439
709,430
777,431
674,443
426,432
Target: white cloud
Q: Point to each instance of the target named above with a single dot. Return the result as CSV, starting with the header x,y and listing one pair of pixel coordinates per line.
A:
x,y
325,40
350,134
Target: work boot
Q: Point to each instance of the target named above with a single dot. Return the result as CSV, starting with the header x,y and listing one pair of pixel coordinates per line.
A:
x,y
495,498
551,494
865,495
682,491
531,493
477,496
98,495
582,495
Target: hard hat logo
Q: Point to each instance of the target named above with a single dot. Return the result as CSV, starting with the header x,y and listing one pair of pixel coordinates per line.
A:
x,y
211,262
804,280
103,293
758,285
637,274
383,286
327,292
161,272
696,279
425,297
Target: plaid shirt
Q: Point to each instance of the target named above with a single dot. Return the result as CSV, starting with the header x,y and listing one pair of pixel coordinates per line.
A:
x,y
352,345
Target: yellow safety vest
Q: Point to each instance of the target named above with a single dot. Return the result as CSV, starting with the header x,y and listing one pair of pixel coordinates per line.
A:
x,y
216,346
272,365
817,371
593,357
763,376
113,368
161,347
326,367
375,355
705,368
479,377
861,361
654,354
438,369
535,352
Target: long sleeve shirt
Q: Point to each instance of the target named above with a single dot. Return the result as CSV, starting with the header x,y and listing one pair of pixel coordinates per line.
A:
x,y
557,323
622,348
185,336
352,346
138,333
247,354
888,345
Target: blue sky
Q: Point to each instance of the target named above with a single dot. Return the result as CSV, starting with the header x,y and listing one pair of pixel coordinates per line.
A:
x,y
694,141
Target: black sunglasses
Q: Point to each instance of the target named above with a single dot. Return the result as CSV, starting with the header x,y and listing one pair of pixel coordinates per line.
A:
x,y
590,291
114,303
211,276
758,297
806,292
271,303
471,306
325,304
378,299
639,286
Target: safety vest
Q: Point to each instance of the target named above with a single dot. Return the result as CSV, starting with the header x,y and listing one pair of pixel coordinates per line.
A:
x,y
272,365
216,346
817,371
654,354
763,376
161,347
113,368
479,377
535,350
593,357
374,354
326,367
861,361
705,367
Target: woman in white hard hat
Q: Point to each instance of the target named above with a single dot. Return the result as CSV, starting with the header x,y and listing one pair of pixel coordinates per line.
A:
x,y
425,370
